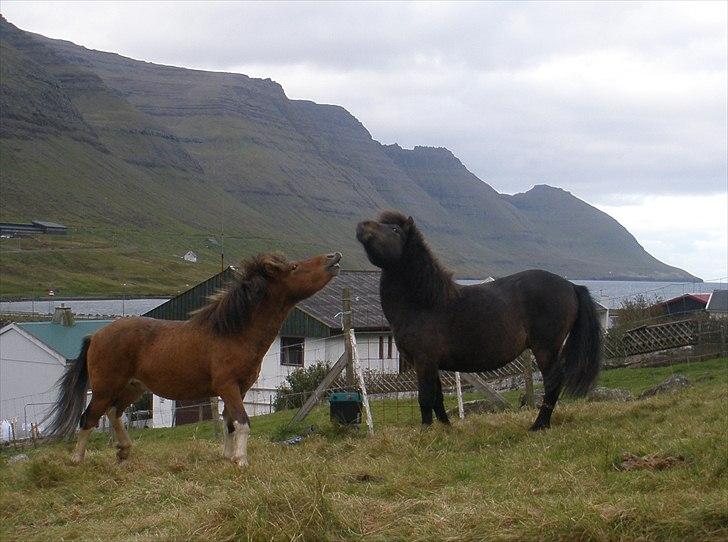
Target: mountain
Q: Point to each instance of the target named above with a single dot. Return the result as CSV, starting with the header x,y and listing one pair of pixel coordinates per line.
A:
x,y
144,162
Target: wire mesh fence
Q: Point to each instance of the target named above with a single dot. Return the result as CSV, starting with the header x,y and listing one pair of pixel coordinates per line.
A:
x,y
391,384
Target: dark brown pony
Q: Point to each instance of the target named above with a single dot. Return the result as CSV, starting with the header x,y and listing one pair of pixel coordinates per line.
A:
x,y
218,351
439,324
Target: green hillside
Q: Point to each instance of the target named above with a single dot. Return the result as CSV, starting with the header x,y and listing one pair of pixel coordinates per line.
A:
x,y
144,162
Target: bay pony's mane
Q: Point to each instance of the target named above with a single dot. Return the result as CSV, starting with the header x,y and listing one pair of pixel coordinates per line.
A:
x,y
230,309
427,281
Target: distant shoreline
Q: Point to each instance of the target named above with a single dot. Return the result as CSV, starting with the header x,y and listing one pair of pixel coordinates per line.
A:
x,y
128,297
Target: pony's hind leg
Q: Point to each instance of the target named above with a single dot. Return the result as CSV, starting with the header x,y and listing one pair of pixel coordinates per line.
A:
x,y
131,393
89,419
553,377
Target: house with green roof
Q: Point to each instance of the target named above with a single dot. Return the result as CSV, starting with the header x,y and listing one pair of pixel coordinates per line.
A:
x,y
33,356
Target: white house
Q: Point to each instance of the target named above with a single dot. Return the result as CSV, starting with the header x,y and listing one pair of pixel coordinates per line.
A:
x,y
190,256
33,356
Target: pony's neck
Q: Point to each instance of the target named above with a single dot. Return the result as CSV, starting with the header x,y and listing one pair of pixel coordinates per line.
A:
x,y
419,276
269,315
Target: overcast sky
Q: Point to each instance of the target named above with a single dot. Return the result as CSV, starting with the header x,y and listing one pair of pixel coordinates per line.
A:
x,y
623,104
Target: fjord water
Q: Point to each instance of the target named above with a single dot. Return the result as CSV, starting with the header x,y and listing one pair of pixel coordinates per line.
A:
x,y
609,293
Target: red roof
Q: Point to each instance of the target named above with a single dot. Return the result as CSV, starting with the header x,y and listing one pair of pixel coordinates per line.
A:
x,y
701,298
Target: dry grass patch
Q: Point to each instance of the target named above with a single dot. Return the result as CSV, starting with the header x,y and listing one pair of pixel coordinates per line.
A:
x,y
485,478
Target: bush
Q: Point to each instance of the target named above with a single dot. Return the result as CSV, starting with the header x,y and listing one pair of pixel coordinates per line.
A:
x,y
639,310
299,385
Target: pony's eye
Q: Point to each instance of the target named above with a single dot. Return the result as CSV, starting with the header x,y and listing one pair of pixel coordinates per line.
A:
x,y
395,230
294,267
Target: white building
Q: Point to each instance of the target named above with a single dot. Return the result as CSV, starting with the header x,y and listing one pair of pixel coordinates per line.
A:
x,y
33,356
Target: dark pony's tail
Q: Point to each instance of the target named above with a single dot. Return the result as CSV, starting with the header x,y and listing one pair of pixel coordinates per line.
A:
x,y
583,349
71,397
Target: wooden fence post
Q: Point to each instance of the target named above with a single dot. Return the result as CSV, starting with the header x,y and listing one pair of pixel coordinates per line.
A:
x,y
484,388
215,411
362,384
322,387
459,391
346,325
528,380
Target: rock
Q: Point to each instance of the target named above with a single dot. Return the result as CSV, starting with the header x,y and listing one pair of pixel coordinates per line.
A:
x,y
672,383
480,406
609,394
18,458
537,399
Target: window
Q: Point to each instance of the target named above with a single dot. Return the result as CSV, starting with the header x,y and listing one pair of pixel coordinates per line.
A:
x,y
381,347
292,351
389,347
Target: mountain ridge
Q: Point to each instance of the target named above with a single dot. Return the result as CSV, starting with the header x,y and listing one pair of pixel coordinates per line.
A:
x,y
169,155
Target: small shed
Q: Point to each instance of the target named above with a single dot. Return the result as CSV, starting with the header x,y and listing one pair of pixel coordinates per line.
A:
x,y
685,304
190,256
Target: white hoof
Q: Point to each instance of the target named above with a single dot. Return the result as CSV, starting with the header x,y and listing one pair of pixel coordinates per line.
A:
x,y
241,462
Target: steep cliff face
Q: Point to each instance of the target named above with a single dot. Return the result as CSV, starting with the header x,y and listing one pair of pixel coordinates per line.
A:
x,y
113,146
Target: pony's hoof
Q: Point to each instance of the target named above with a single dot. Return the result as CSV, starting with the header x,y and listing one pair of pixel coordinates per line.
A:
x,y
122,454
242,462
76,460
539,427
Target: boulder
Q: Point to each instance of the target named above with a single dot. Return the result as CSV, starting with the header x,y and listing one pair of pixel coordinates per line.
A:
x,y
18,458
480,406
609,394
672,383
537,399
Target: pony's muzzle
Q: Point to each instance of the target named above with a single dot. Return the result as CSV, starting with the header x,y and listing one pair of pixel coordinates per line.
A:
x,y
332,265
363,232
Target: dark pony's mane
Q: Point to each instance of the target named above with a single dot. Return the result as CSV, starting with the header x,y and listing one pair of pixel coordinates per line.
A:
x,y
230,309
428,281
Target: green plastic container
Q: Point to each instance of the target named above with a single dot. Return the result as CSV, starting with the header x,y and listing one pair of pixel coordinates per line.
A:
x,y
345,407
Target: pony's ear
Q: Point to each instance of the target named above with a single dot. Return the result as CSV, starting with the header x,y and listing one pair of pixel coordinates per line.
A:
x,y
409,223
274,267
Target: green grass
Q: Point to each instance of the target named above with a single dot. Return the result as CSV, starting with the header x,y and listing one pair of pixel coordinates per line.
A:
x,y
484,478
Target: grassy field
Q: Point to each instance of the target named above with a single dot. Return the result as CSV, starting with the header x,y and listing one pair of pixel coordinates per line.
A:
x,y
484,478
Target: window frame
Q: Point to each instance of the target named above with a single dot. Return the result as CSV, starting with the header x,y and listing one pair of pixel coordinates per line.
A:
x,y
286,349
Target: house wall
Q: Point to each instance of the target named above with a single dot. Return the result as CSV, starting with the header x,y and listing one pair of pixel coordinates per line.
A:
x,y
259,398
28,374
162,411
604,320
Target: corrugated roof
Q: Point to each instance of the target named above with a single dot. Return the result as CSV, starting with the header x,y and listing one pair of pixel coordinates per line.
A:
x,y
181,305
46,224
66,340
718,301
326,305
701,298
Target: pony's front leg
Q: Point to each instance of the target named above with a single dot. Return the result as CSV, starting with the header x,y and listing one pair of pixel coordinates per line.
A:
x,y
238,444
427,378
440,402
